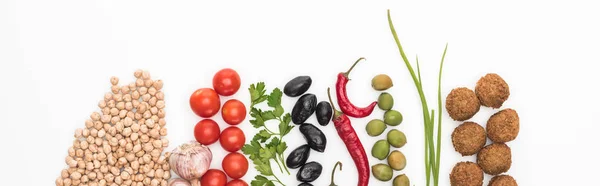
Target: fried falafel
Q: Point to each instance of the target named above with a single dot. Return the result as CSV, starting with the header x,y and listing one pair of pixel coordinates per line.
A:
x,y
466,174
468,138
462,104
495,158
503,126
492,90
503,180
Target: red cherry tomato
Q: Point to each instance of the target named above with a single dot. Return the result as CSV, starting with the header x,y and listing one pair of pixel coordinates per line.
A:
x,y
235,165
237,183
213,177
234,112
205,102
207,132
226,82
232,139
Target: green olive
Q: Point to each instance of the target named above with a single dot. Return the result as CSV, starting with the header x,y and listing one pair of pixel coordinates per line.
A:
x,y
381,149
401,180
392,117
381,82
375,127
396,160
385,101
382,172
396,138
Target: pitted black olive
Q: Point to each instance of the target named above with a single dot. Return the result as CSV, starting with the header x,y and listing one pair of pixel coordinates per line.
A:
x,y
304,108
314,137
298,157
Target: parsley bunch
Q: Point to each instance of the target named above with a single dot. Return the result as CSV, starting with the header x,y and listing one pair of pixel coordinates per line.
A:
x,y
267,144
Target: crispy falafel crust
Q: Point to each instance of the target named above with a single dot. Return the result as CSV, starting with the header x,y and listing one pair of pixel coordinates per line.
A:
x,y
468,138
503,126
466,174
462,104
503,180
495,158
492,90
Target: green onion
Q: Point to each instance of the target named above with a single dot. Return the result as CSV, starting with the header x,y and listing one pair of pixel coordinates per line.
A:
x,y
432,147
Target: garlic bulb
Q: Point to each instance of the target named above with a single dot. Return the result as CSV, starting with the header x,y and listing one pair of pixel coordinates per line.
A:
x,y
178,182
190,161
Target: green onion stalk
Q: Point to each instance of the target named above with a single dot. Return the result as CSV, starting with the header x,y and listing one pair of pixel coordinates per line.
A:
x,y
432,144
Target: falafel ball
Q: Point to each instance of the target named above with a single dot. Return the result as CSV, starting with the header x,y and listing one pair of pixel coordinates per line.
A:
x,y
503,126
468,138
466,174
462,104
492,90
495,158
503,180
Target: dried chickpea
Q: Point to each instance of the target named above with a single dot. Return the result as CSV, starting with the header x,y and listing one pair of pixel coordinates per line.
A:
x,y
158,84
114,80
94,132
154,110
147,114
128,106
146,97
125,89
120,105
115,119
149,123
95,116
67,182
110,104
118,97
152,91
75,175
148,83
154,182
101,133
122,114
115,89
107,96
163,131
145,75
118,180
160,95
105,111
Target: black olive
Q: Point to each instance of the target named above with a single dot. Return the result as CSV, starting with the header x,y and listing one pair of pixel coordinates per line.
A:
x,y
304,108
298,157
297,86
305,184
309,172
314,137
324,113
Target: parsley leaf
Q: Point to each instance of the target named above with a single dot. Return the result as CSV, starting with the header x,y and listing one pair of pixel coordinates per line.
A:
x,y
261,181
257,93
281,147
284,126
274,98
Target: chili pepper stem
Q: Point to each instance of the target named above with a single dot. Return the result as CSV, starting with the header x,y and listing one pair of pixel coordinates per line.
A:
x,y
333,173
336,112
352,67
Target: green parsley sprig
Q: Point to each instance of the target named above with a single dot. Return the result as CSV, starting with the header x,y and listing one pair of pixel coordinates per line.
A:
x,y
267,144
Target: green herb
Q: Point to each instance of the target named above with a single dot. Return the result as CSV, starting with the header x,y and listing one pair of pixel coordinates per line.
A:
x,y
432,153
267,144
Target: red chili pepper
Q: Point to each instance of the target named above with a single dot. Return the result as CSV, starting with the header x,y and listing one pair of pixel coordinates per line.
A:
x,y
353,145
345,105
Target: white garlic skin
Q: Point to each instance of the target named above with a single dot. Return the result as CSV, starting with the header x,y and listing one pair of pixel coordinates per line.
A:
x,y
190,160
178,182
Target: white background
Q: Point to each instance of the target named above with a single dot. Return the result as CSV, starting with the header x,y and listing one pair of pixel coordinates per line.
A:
x,y
56,58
